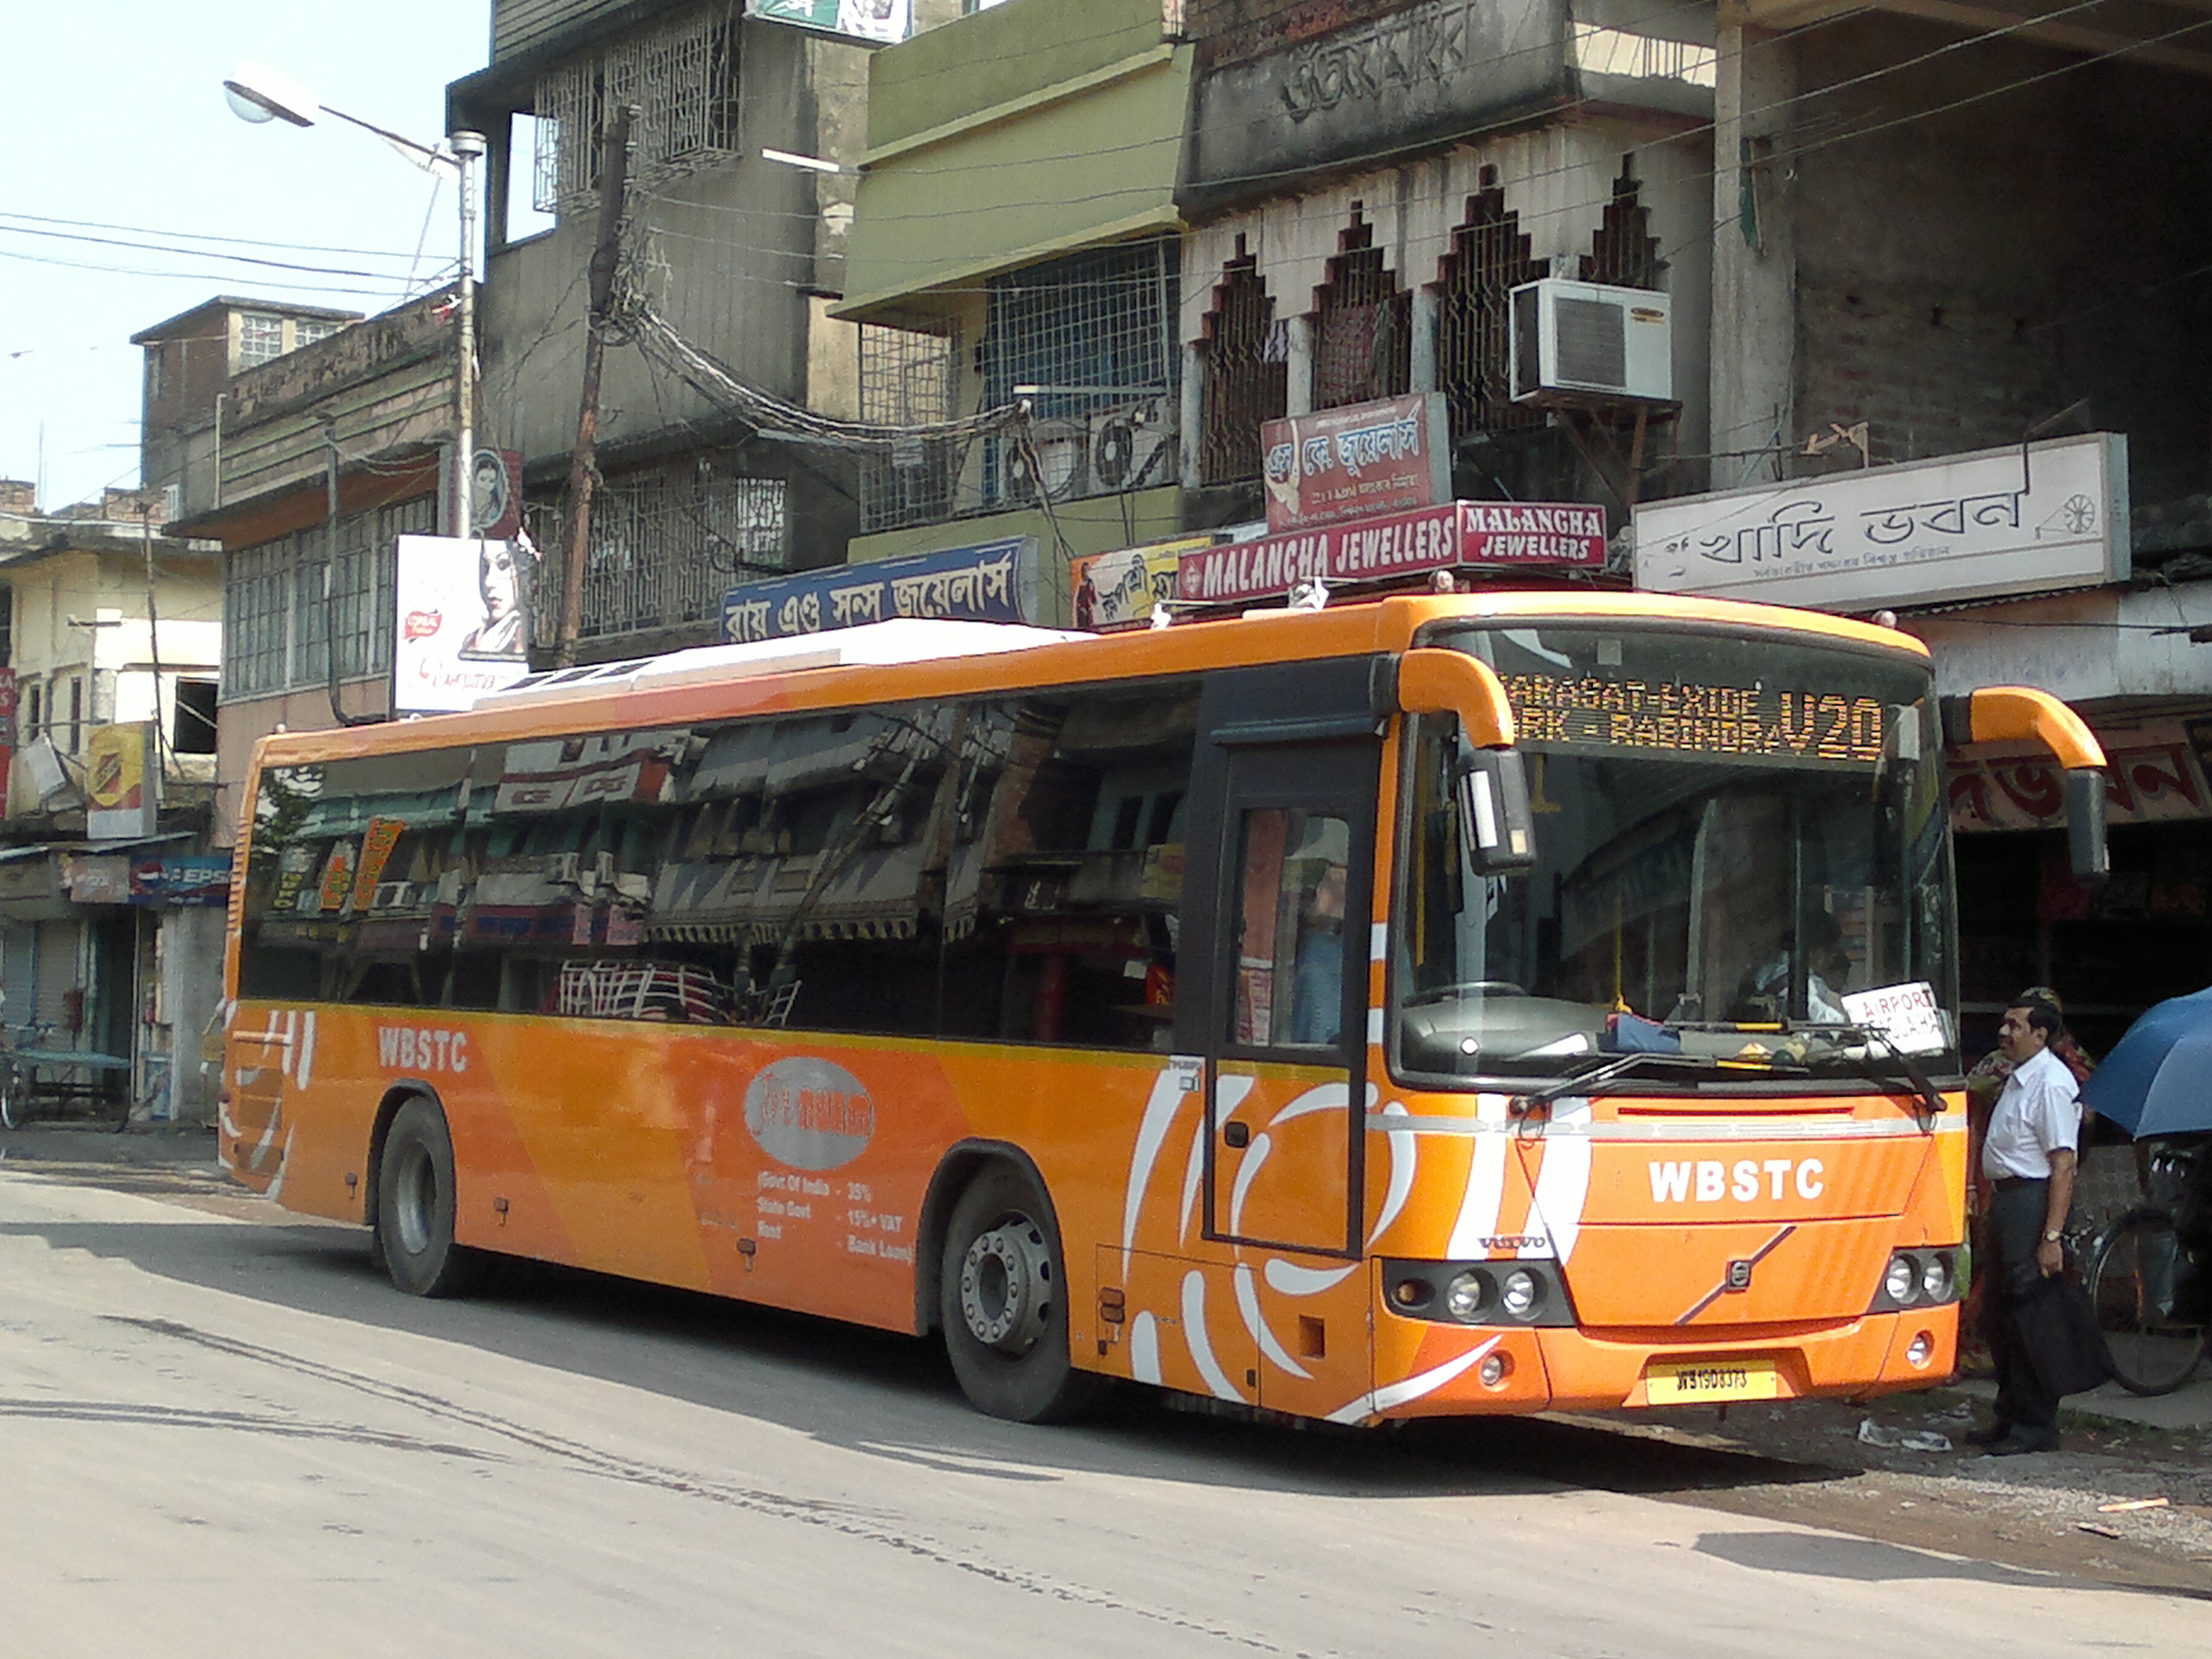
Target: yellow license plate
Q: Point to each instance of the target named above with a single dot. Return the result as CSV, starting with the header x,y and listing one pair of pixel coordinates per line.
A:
x,y
1711,1381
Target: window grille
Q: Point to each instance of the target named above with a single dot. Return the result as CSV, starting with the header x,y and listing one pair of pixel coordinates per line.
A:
x,y
910,378
1088,342
666,547
276,623
1362,326
1489,259
260,338
308,329
1246,362
1624,251
682,76
255,602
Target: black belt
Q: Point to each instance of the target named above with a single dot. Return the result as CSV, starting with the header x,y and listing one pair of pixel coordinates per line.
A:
x,y
2011,1183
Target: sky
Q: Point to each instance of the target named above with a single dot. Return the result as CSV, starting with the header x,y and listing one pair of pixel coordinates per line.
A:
x,y
120,127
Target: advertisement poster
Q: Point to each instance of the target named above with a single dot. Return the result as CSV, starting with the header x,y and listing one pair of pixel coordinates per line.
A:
x,y
2020,520
1117,590
884,21
1356,462
1520,535
201,880
120,794
463,630
496,494
996,581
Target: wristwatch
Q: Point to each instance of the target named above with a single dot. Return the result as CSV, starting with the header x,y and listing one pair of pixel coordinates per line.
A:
x,y
2051,1237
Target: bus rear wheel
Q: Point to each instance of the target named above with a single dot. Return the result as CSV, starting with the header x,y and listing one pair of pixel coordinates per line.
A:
x,y
415,1206
1002,1297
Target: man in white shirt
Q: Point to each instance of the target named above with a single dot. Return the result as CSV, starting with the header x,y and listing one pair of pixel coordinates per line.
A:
x,y
2027,1159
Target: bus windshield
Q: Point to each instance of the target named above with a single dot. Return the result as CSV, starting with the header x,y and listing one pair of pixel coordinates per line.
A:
x,y
1738,842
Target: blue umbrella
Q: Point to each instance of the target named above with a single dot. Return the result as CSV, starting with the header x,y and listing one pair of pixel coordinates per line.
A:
x,y
2158,1078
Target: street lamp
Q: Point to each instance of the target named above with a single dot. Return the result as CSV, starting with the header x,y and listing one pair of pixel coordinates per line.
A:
x,y
257,92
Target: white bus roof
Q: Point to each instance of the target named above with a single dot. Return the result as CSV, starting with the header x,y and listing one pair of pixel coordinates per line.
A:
x,y
903,639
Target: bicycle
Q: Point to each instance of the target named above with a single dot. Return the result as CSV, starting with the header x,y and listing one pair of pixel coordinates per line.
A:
x,y
2151,1280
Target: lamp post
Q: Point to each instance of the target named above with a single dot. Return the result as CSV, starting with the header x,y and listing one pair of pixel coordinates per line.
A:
x,y
257,92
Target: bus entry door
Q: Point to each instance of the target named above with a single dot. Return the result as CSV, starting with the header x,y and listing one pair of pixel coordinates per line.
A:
x,y
1288,995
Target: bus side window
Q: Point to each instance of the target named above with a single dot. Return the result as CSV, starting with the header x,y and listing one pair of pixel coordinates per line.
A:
x,y
851,906
1075,876
1289,921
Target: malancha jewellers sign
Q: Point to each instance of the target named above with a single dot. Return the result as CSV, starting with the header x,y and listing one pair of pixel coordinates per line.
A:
x,y
2028,519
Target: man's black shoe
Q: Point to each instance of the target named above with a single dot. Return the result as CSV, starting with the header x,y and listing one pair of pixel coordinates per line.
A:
x,y
1988,1437
2024,1440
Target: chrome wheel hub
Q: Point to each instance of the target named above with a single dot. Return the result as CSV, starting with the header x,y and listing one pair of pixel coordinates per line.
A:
x,y
1005,1286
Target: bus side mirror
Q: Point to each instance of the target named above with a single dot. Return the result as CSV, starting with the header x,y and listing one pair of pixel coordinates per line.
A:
x,y
2004,713
2085,823
1495,823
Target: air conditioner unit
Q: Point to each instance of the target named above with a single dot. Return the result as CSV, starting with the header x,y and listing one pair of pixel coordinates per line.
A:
x,y
1061,469
393,895
1577,341
563,869
1132,446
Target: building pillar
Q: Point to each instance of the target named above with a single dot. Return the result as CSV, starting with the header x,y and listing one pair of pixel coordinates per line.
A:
x,y
1422,374
1753,371
1191,414
1298,353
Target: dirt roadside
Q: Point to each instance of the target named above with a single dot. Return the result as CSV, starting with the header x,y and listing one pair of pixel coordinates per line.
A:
x,y
2047,1512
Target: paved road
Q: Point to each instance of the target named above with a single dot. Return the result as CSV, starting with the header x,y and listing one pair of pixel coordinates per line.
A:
x,y
221,1434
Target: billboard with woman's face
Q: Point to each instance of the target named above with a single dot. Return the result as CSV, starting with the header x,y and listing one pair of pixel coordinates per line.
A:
x,y
463,628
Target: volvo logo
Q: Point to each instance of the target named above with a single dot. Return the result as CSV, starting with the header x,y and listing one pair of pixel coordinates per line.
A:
x,y
1738,1275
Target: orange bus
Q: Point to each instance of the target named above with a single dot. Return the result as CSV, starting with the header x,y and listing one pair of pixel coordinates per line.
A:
x,y
1458,1004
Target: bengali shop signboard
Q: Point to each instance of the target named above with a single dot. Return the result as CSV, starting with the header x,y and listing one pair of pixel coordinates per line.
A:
x,y
996,581
1517,534
1118,590
2020,519
1355,462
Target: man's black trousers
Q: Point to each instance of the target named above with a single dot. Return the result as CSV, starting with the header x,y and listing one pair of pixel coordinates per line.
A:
x,y
2012,1229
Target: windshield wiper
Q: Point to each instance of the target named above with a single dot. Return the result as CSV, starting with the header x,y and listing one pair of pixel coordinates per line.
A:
x,y
1930,1101
1593,1081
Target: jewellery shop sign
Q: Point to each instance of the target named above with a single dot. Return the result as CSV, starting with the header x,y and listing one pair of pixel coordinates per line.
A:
x,y
2027,518
997,582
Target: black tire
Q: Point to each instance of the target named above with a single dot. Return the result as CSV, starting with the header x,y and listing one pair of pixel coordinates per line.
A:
x,y
1002,1297
415,1207
14,1102
2133,1281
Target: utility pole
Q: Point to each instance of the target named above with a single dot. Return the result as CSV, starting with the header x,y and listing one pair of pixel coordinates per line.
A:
x,y
467,147
613,184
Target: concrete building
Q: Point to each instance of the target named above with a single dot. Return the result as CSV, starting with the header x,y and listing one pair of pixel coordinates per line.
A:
x,y
739,205
111,899
1941,246
368,413
1164,225
190,360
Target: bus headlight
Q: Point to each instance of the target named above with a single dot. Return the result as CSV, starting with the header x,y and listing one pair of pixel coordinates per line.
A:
x,y
1936,1278
1917,1278
1528,1291
1464,1297
1902,1281
1519,1295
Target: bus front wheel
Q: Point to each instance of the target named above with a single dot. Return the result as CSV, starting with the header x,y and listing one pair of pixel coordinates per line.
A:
x,y
415,1206
1002,1297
